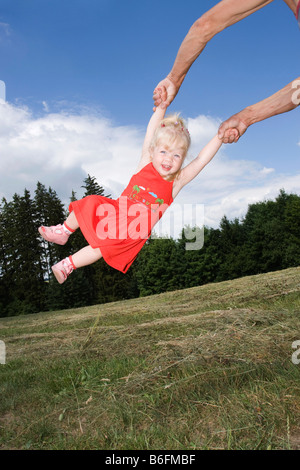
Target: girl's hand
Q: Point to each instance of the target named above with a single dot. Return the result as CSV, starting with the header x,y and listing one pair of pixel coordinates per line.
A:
x,y
164,93
232,129
230,136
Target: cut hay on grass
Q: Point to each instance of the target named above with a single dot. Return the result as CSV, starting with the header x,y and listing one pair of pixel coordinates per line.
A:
x,y
203,368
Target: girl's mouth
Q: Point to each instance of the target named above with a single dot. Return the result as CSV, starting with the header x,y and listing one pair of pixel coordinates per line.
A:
x,y
166,167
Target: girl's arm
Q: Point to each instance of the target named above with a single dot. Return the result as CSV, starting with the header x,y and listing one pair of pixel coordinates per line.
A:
x,y
188,173
153,124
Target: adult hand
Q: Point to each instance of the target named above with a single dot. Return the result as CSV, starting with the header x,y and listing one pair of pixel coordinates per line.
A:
x,y
164,93
232,129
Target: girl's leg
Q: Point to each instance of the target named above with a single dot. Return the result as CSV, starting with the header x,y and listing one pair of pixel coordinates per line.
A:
x,y
86,256
83,257
71,222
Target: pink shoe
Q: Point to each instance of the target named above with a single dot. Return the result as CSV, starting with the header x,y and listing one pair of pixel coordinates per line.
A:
x,y
54,234
62,270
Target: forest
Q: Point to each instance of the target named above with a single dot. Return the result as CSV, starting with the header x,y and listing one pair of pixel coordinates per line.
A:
x,y
267,238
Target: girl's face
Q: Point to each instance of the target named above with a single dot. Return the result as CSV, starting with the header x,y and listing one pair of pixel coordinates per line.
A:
x,y
167,160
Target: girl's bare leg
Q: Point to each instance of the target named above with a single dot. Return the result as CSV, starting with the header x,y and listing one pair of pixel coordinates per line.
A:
x,y
86,256
83,257
71,221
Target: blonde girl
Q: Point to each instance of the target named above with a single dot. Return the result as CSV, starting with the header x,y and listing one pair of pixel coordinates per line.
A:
x,y
116,230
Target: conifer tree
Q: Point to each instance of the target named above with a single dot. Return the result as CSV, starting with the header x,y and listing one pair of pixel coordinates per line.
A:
x,y
92,187
159,267
21,266
6,237
28,268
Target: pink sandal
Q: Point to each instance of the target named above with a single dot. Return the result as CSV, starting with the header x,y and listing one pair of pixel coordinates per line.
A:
x,y
54,234
62,270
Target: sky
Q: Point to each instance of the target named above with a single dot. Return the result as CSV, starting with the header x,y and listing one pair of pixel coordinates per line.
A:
x,y
79,77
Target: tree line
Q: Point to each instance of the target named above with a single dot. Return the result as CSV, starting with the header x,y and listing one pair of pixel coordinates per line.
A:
x,y
266,239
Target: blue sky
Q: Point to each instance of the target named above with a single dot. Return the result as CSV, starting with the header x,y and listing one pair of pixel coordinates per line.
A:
x,y
79,77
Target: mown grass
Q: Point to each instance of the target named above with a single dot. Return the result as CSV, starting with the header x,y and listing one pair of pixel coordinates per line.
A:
x,y
202,368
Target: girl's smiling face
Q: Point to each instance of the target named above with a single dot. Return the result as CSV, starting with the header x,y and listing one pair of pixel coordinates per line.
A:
x,y
167,160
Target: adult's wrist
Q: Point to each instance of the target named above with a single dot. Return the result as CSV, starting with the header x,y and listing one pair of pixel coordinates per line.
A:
x,y
176,79
247,116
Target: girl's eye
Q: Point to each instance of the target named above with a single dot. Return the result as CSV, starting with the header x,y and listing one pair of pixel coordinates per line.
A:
x,y
177,156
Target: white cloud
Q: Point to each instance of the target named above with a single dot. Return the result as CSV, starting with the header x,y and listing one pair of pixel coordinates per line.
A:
x,y
60,149
5,30
45,106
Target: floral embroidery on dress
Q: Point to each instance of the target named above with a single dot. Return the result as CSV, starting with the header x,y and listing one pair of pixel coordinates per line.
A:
x,y
145,196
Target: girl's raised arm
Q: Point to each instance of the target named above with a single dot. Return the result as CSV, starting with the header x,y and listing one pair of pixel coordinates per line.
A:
x,y
188,173
153,124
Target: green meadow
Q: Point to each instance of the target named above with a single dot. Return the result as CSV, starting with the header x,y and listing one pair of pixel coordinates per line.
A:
x,y
210,367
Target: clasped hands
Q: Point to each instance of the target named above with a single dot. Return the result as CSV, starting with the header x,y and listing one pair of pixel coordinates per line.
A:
x,y
229,131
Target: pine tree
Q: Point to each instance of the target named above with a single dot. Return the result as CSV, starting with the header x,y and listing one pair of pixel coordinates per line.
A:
x,y
29,273
159,267
6,235
21,267
92,187
193,260
291,233
232,240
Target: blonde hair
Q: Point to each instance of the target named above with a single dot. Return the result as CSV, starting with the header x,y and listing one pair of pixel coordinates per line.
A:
x,y
172,129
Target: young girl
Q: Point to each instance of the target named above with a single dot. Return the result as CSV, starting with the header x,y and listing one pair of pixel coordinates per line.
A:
x,y
117,229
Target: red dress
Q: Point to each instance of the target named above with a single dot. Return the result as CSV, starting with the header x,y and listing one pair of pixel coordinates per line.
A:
x,y
121,227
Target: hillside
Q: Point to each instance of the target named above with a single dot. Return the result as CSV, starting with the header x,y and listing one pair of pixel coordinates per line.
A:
x,y
203,368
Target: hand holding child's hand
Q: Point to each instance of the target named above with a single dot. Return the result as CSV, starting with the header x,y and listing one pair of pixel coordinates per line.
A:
x,y
164,93
230,136
232,129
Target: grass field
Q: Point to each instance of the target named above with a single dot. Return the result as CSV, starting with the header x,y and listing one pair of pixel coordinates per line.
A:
x,y
203,368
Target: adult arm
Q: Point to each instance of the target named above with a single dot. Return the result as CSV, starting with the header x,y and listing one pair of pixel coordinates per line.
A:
x,y
284,100
292,4
222,15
